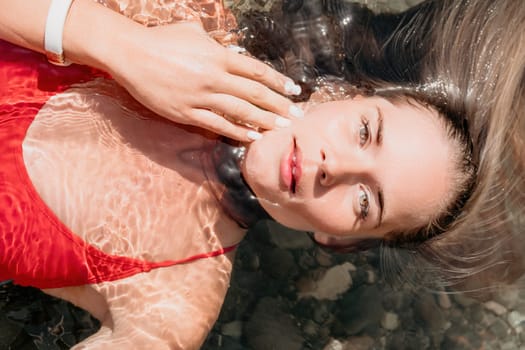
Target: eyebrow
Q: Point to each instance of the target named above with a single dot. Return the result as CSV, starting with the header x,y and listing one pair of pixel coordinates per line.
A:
x,y
379,142
381,199
379,133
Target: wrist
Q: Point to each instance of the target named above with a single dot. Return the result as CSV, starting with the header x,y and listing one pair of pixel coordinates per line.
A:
x,y
93,35
56,18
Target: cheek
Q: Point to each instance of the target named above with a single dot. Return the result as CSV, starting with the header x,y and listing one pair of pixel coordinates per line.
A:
x,y
333,211
331,214
259,156
287,214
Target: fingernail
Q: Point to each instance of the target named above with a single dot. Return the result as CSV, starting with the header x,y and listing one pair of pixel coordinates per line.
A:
x,y
254,135
236,48
291,88
296,111
282,122
297,90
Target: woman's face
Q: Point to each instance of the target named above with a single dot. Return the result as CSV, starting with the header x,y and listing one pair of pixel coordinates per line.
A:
x,y
358,168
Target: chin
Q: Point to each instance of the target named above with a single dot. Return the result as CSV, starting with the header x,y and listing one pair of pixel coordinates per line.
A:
x,y
260,170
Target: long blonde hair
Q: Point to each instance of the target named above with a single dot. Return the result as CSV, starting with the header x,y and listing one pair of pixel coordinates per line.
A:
x,y
476,68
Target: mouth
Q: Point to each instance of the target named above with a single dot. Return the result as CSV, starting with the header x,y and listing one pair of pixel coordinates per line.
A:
x,y
291,168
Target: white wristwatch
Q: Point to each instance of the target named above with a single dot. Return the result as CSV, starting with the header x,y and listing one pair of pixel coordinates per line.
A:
x,y
56,18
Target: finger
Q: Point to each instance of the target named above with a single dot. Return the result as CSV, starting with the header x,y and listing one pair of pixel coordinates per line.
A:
x,y
242,112
219,125
254,69
259,95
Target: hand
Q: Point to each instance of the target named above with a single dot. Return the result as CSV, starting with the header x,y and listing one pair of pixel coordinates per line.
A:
x,y
181,73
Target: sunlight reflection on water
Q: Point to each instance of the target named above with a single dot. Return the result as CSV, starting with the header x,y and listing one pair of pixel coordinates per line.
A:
x,y
264,305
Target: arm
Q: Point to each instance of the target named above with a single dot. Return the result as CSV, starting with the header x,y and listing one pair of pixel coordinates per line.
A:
x,y
169,308
85,37
176,70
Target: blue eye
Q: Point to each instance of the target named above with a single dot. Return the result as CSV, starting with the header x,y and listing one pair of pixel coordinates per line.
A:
x,y
364,204
364,133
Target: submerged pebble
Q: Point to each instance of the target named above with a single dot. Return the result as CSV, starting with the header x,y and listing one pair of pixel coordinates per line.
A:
x,y
329,285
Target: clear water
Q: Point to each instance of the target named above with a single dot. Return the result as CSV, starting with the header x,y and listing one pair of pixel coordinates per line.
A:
x,y
274,302
287,293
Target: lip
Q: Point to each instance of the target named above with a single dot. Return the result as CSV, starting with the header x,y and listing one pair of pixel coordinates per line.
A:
x,y
291,170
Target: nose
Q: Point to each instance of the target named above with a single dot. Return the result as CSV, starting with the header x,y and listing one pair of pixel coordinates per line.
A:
x,y
346,166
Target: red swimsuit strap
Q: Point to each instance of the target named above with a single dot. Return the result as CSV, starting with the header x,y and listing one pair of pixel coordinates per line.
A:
x,y
50,255
211,254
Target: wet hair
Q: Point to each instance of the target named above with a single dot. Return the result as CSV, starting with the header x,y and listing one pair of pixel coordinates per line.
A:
x,y
306,39
457,56
478,68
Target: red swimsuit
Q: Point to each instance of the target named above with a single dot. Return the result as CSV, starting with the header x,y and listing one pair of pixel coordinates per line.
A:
x,y
36,249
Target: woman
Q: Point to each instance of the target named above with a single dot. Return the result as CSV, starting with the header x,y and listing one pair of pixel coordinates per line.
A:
x,y
460,57
111,203
120,188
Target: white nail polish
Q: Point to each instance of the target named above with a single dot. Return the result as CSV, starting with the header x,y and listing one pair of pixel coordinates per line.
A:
x,y
290,88
254,135
282,122
236,48
296,111
297,90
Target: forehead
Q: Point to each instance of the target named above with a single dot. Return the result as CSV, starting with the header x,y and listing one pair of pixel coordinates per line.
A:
x,y
414,163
